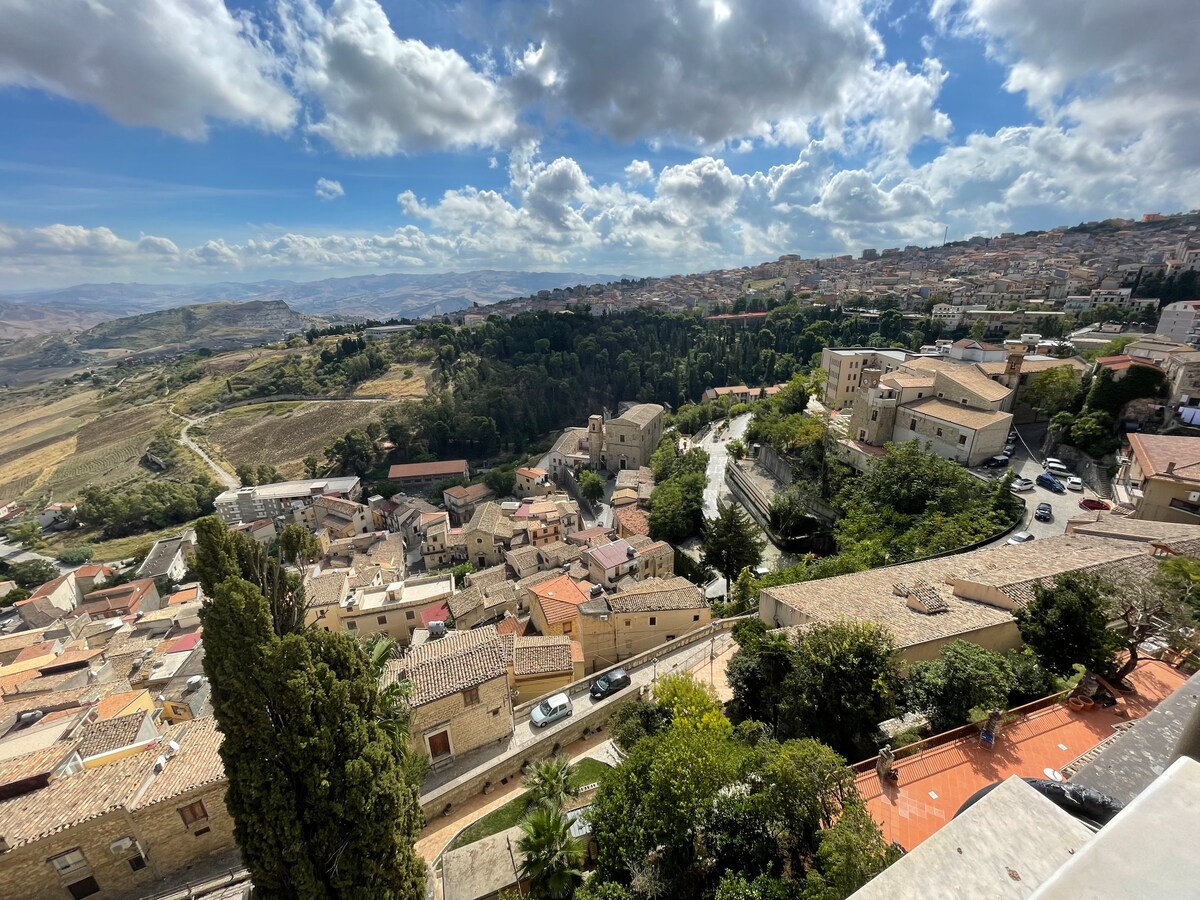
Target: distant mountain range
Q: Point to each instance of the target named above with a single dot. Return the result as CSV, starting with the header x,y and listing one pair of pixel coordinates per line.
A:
x,y
370,296
216,325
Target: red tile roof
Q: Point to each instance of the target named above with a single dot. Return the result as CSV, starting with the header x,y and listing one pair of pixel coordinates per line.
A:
x,y
187,642
560,598
446,467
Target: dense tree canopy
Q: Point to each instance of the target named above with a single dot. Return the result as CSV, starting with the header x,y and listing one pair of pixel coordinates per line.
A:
x,y
964,678
131,509
1066,623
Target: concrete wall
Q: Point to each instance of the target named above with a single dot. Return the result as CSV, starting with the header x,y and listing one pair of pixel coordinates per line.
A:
x,y
1155,505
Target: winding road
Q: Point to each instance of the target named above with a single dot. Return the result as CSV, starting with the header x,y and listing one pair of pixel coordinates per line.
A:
x,y
230,481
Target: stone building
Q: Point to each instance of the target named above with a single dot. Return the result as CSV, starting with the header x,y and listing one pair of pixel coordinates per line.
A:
x,y
460,694
624,442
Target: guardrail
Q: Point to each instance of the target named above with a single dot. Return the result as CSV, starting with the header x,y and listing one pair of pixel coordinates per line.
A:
x,y
638,661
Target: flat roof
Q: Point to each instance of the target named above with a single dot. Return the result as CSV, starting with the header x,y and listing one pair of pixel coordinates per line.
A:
x,y
428,469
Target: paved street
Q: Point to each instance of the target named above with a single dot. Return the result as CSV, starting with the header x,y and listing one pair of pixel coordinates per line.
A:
x,y
1027,464
718,456
11,553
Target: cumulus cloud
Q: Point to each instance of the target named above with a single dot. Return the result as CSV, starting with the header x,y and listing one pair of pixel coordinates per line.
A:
x,y
713,71
375,93
639,172
172,64
327,189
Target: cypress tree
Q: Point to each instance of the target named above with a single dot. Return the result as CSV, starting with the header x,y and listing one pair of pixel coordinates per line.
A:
x,y
323,803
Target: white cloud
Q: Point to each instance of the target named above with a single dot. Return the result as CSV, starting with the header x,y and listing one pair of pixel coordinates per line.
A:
x,y
639,172
327,189
377,94
171,64
712,72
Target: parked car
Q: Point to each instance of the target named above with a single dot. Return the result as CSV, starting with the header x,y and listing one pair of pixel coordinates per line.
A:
x,y
1089,503
1043,513
1050,483
1074,483
609,683
996,462
551,710
1010,449
1023,484
1059,470
1051,459
1021,537
1012,436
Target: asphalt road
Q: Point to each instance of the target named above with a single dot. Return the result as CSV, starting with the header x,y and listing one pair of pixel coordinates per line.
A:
x,y
12,553
718,456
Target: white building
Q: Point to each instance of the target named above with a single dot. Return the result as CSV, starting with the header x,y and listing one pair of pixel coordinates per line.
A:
x,y
267,501
1180,321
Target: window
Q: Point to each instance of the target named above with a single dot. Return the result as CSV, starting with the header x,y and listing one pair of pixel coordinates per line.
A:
x,y
912,424
382,620
622,439
962,440
352,626
628,623
84,888
654,620
920,394
471,696
939,432
410,615
874,415
137,863
696,618
193,812
567,627
68,862
479,540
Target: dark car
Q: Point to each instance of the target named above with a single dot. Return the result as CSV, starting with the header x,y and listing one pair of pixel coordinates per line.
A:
x,y
996,462
1010,449
1043,513
609,683
1050,483
1088,503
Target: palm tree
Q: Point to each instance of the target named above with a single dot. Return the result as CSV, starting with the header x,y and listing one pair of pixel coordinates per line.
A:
x,y
552,860
551,783
395,714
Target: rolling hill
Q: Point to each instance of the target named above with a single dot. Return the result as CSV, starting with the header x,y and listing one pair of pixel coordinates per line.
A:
x,y
217,325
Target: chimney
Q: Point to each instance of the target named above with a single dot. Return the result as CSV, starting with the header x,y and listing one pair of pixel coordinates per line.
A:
x,y
1171,467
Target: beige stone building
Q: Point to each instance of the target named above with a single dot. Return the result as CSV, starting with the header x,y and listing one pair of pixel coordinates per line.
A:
x,y
531,481
460,694
1160,478
462,502
969,596
543,664
624,442
616,626
117,830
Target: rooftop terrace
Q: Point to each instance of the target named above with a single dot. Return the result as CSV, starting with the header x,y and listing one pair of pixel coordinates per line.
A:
x,y
935,782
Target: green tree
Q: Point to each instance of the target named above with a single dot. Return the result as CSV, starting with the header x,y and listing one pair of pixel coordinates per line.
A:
x,y
32,573
676,508
246,474
552,859
591,485
304,750
730,542
76,555
963,678
1066,623
27,534
312,466
501,480
845,679
601,890
758,672
737,449
1055,390
267,474
15,594
851,852
297,545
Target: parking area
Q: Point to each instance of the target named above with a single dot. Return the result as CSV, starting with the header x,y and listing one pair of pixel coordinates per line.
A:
x,y
1027,465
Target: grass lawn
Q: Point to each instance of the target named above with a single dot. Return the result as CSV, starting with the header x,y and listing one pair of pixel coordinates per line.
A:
x,y
587,771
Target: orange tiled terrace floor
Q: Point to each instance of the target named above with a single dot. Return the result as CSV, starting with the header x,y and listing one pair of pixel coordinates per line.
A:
x,y
935,783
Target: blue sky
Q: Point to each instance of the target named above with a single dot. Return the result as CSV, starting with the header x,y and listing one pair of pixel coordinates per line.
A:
x,y
203,140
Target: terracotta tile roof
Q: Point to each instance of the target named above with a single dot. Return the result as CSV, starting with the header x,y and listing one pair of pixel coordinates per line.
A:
x,y
520,557
954,413
108,707
70,801
632,520
559,553
184,595
609,556
658,594
46,589
39,762
449,468
1154,452
197,762
541,655
487,577
532,472
447,665
472,493
641,414
560,597
597,533
327,589
92,570
36,651
490,519
111,734
510,624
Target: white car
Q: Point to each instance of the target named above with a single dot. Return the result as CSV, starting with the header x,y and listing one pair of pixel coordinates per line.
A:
x,y
1021,537
1074,483
1052,459
1022,484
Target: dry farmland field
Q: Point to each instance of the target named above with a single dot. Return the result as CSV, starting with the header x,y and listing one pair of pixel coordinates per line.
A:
x,y
282,434
395,384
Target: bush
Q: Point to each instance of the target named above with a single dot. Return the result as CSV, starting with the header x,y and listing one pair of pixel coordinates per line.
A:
x,y
76,556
